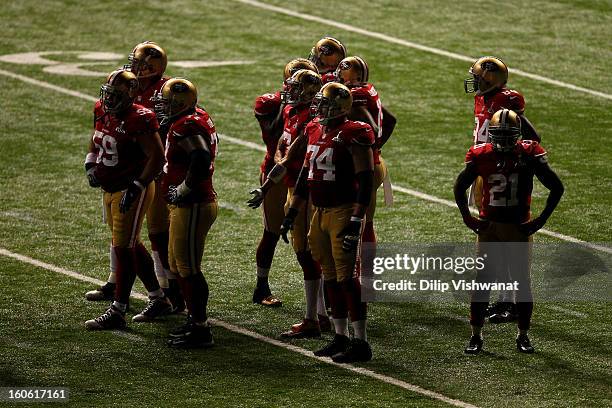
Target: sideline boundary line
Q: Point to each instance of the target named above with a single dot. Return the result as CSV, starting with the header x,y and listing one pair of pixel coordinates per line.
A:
x,y
245,332
255,146
416,46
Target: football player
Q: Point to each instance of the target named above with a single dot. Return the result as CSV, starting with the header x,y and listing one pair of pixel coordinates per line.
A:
x,y
507,166
268,110
488,78
125,154
367,107
300,90
326,54
148,62
191,148
338,177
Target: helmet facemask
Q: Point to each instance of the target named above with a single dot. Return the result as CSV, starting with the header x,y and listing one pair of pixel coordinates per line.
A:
x,y
177,96
504,130
117,97
328,109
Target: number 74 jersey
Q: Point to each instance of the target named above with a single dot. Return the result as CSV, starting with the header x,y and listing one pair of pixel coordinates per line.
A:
x,y
507,179
331,174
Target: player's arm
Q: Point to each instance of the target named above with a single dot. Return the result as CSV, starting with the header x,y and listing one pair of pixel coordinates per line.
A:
x,y
551,181
363,163
362,114
271,123
90,162
151,145
300,195
527,130
199,165
388,125
464,180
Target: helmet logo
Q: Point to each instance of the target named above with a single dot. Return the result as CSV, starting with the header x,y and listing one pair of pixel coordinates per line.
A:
x,y
179,87
489,66
326,49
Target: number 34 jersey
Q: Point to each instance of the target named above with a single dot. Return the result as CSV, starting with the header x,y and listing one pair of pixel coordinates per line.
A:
x,y
331,174
486,105
119,158
507,179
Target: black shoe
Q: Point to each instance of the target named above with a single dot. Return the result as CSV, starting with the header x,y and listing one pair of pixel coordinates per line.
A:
x,y
474,346
338,345
173,293
111,319
358,350
524,345
263,296
181,330
105,292
502,312
157,307
193,336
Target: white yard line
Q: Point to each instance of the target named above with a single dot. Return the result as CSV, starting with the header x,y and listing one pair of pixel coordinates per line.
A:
x,y
258,147
240,330
416,46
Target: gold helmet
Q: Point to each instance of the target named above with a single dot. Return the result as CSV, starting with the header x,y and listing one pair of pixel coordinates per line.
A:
x,y
177,96
504,130
119,91
352,71
327,54
334,100
488,73
301,88
295,65
147,60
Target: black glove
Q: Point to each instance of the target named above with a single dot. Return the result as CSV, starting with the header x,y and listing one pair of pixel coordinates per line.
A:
x,y
351,234
257,199
90,169
130,195
287,224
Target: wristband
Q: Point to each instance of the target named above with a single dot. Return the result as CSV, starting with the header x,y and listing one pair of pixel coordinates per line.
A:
x,y
182,189
90,158
356,219
277,173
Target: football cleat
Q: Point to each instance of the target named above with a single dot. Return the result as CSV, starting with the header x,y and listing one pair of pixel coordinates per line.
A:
x,y
265,298
474,346
306,329
105,292
109,320
173,293
156,307
339,344
191,335
325,324
358,350
523,344
502,312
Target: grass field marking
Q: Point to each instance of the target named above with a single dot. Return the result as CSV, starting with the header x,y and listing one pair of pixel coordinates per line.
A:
x,y
261,148
251,334
410,44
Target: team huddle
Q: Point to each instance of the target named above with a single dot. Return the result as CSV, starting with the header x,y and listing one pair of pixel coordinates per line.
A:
x,y
324,131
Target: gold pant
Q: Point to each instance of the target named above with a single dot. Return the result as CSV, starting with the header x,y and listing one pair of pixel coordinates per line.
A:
x,y
189,226
380,171
158,215
299,234
325,241
274,206
125,228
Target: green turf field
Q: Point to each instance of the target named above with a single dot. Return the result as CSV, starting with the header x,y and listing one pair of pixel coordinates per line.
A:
x,y
49,213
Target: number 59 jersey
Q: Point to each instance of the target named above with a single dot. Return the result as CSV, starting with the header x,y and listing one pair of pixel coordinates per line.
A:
x,y
507,179
119,158
331,174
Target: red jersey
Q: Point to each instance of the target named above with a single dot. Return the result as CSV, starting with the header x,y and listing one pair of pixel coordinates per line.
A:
x,y
331,174
147,97
268,106
507,179
295,119
177,159
120,159
486,106
367,96
328,77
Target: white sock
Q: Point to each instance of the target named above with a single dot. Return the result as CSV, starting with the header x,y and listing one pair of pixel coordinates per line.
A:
x,y
112,278
359,328
341,326
321,309
122,307
158,293
262,272
311,288
160,271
